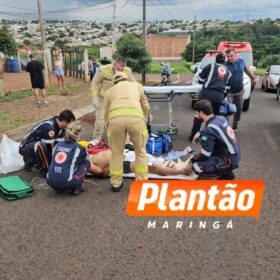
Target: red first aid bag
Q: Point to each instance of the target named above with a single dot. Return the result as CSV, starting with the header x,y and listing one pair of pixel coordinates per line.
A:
x,y
94,149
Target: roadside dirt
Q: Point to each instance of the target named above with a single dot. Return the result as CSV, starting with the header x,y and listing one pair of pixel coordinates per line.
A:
x,y
28,111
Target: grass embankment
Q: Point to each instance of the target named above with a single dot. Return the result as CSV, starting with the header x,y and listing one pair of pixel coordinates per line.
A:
x,y
260,71
10,121
70,88
182,67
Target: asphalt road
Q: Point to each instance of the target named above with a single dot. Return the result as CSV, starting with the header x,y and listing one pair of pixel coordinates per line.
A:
x,y
51,236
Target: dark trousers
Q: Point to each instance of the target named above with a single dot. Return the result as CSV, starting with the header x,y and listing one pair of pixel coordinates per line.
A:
x,y
75,184
91,74
37,153
197,122
215,166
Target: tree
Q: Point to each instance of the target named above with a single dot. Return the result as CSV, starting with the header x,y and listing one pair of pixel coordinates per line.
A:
x,y
26,42
7,42
62,44
269,60
152,30
103,34
135,52
108,26
263,36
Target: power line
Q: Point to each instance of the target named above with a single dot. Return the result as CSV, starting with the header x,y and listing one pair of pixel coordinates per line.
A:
x,y
18,15
18,8
90,7
120,7
128,8
166,9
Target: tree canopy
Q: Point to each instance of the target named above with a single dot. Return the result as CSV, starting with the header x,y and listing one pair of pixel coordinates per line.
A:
x,y
7,42
263,36
135,52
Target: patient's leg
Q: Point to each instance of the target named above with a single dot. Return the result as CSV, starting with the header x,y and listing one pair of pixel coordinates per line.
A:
x,y
165,170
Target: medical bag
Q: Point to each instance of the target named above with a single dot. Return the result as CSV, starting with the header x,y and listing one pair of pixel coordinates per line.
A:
x,y
227,108
94,149
13,187
158,142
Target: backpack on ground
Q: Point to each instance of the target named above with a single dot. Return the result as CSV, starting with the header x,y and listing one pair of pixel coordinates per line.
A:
x,y
158,143
227,108
13,187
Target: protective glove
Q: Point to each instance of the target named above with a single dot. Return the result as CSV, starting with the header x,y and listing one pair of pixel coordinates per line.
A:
x,y
94,142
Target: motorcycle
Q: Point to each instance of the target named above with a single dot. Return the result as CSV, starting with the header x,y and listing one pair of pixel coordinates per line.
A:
x,y
165,74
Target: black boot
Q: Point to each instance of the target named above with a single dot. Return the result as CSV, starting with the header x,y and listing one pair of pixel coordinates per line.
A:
x,y
28,165
227,176
113,189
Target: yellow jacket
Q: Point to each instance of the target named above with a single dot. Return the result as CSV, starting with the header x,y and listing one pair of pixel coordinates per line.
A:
x,y
125,99
103,79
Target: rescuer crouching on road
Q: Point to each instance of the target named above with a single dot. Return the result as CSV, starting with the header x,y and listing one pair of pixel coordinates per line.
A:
x,y
125,106
220,153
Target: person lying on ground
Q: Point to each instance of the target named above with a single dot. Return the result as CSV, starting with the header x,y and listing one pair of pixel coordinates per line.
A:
x,y
100,165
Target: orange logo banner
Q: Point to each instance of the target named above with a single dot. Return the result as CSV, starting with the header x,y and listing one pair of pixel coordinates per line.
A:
x,y
195,198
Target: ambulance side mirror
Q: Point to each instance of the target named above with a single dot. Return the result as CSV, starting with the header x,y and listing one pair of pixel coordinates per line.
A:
x,y
194,68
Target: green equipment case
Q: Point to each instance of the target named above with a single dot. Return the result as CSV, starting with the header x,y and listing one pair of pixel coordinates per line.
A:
x,y
13,187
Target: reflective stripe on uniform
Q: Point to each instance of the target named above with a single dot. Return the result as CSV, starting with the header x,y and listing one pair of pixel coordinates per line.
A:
x,y
126,112
145,133
205,153
141,169
37,126
48,141
222,134
197,168
116,172
210,75
77,153
59,139
36,146
200,79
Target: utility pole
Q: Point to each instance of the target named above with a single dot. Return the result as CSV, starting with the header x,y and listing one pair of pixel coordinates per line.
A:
x,y
193,51
43,38
144,39
114,25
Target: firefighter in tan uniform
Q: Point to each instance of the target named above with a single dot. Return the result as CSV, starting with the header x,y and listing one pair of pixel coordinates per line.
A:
x,y
125,106
102,81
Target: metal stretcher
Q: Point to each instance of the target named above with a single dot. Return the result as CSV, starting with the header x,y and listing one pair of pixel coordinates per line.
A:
x,y
166,94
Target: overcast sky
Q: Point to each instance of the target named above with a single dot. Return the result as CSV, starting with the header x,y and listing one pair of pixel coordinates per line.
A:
x,y
130,10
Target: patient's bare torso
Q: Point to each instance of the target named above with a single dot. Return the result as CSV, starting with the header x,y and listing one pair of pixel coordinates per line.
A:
x,y
101,159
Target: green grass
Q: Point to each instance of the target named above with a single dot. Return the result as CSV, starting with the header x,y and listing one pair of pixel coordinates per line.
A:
x,y
11,96
9,121
260,71
182,67
70,88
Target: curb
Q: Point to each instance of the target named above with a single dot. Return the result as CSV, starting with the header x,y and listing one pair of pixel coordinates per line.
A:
x,y
18,133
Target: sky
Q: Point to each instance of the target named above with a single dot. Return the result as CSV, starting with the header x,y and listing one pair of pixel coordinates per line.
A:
x,y
131,10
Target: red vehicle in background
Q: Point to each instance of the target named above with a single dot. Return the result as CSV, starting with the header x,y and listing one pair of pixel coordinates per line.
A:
x,y
243,48
244,51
